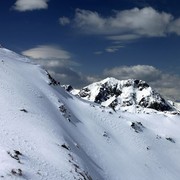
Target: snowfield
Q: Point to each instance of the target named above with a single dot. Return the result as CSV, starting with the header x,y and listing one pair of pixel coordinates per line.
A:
x,y
49,134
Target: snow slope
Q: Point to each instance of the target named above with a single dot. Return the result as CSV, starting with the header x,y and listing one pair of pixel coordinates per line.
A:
x,y
48,134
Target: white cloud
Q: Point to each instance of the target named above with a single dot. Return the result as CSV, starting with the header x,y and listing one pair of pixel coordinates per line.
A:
x,y
47,52
124,37
58,62
88,21
51,57
113,49
98,52
91,79
143,72
174,27
127,24
166,84
64,21
29,5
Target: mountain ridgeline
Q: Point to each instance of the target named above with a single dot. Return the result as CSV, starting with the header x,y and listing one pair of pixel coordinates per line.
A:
x,y
124,94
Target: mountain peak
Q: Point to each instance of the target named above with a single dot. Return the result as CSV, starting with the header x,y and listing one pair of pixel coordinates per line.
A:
x,y
130,95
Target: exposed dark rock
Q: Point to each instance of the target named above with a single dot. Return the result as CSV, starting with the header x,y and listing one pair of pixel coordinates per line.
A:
x,y
68,88
15,155
17,172
62,109
158,137
105,134
106,92
137,126
24,110
84,92
52,80
65,146
140,84
127,103
159,105
128,84
136,81
170,139
17,152
114,104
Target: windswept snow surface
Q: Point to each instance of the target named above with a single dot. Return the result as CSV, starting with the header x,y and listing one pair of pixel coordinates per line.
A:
x,y
48,134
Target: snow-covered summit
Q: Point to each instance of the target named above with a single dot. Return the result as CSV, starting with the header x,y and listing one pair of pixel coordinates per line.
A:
x,y
132,95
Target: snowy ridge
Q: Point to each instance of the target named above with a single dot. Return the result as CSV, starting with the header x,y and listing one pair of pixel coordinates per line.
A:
x,y
48,134
127,95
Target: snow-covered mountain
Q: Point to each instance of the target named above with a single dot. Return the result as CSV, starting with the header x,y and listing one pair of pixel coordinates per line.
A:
x,y
49,134
127,95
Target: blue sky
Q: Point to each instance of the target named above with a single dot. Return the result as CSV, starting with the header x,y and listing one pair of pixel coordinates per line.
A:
x,y
82,41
